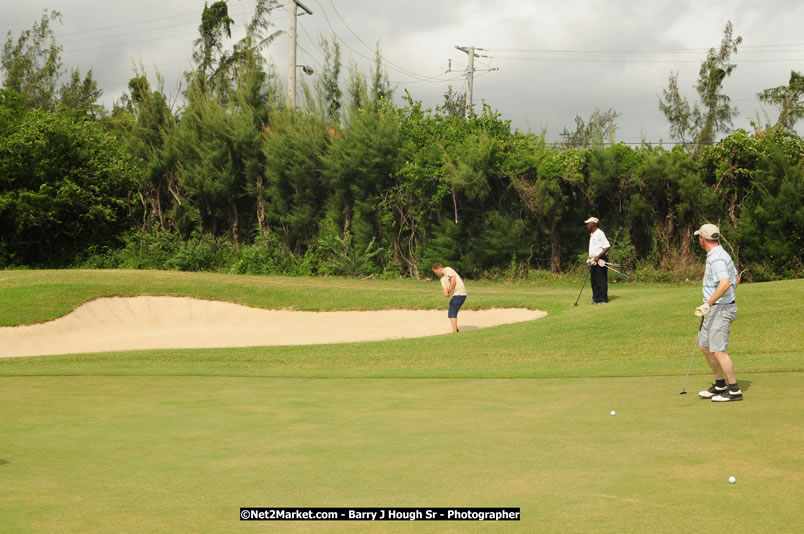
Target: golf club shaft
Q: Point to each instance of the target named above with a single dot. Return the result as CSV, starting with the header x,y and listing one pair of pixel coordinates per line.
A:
x,y
684,389
618,272
582,285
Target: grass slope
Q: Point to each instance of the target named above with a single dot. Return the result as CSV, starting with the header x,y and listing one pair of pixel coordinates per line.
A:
x,y
644,330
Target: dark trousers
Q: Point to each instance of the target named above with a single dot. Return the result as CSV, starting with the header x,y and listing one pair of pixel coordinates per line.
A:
x,y
600,283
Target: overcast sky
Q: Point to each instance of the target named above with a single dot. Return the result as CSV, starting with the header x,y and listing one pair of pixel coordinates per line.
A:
x,y
556,59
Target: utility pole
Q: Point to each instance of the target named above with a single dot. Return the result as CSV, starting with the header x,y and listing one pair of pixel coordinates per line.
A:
x,y
470,73
470,79
292,51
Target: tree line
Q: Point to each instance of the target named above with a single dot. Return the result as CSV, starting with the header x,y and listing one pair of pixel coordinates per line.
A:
x,y
350,184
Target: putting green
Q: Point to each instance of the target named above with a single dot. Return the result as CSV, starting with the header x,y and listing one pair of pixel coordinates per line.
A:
x,y
169,454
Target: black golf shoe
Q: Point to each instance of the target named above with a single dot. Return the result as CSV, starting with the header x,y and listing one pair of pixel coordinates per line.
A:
x,y
728,396
712,392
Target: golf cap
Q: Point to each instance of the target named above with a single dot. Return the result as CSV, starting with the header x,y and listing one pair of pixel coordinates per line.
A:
x,y
591,219
709,231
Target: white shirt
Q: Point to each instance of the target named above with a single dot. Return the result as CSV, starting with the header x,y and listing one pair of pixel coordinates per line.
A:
x,y
446,280
597,243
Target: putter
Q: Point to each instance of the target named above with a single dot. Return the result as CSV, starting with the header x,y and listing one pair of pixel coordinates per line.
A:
x,y
684,389
581,291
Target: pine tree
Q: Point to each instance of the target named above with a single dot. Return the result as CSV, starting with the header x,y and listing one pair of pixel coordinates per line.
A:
x,y
32,65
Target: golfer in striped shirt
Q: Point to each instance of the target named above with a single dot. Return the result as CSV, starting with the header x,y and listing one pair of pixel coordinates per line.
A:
x,y
718,311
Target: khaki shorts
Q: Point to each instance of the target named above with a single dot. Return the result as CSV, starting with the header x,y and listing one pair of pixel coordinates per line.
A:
x,y
715,330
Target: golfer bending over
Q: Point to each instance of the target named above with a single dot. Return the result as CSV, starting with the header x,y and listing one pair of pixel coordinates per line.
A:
x,y
718,311
454,290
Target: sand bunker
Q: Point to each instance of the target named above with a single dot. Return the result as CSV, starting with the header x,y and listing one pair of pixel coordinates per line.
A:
x,y
117,324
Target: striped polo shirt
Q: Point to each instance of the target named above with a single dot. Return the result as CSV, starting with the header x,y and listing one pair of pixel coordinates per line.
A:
x,y
719,266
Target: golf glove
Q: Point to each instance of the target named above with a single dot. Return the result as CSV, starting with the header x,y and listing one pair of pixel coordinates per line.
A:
x,y
702,310
602,263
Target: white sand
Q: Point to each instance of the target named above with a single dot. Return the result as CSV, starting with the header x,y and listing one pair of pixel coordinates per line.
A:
x,y
118,324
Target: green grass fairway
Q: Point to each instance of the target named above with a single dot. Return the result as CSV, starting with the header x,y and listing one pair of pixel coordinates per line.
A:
x,y
512,416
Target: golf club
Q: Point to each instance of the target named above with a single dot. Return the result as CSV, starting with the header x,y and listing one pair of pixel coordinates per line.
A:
x,y
684,389
581,291
616,271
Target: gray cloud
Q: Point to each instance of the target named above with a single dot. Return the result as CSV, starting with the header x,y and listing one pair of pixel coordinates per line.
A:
x,y
555,60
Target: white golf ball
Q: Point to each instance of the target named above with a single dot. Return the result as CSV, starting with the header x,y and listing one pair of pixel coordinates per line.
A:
x,y
732,480
613,412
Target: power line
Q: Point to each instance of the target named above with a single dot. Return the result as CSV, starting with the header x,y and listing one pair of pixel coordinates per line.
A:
x,y
345,24
193,23
648,61
387,64
411,82
309,37
506,54
772,48
113,45
105,28
310,55
313,43
742,48
124,34
367,46
195,13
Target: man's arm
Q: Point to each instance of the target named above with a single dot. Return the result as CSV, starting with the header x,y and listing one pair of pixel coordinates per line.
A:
x,y
722,287
603,253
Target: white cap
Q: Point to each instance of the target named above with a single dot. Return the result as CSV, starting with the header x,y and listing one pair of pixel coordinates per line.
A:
x,y
709,231
591,219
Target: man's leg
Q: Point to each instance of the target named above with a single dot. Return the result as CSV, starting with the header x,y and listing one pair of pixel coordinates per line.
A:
x,y
713,362
720,381
733,392
723,367
726,366
717,334
594,277
455,304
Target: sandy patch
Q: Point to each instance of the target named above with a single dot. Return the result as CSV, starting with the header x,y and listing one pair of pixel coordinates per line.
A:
x,y
137,323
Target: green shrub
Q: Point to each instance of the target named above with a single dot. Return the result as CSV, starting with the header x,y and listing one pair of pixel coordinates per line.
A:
x,y
200,254
270,256
341,257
